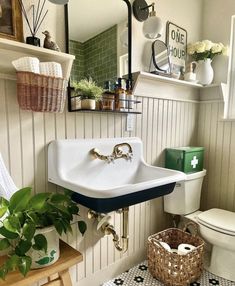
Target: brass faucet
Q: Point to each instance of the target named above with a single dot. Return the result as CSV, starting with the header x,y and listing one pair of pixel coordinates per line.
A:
x,y
119,153
116,154
96,154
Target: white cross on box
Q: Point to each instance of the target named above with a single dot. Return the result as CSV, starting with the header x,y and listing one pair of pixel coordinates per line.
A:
x,y
194,162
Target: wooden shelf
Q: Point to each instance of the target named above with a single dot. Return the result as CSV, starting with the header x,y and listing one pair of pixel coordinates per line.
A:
x,y
12,50
158,78
151,85
68,257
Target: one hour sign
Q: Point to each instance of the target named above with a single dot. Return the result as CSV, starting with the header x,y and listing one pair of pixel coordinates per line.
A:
x,y
176,39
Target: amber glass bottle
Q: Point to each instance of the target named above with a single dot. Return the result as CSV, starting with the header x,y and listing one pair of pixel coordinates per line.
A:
x,y
129,97
120,96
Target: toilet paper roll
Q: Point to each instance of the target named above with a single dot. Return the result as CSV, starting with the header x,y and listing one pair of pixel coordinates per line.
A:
x,y
165,245
174,250
185,248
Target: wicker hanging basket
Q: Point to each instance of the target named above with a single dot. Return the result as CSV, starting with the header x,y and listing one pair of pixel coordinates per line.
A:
x,y
41,93
171,268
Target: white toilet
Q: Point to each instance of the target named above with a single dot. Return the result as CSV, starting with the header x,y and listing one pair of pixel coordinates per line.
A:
x,y
216,226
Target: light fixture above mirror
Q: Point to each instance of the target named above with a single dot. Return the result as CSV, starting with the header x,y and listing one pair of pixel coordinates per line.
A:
x,y
152,28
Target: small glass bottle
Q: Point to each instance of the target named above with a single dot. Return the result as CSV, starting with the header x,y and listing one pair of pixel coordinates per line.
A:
x,y
108,97
120,96
129,97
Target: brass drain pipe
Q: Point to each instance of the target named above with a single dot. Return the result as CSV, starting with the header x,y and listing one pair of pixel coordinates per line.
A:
x,y
108,229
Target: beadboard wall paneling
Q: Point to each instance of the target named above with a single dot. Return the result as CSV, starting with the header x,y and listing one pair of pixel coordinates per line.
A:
x,y
24,137
218,138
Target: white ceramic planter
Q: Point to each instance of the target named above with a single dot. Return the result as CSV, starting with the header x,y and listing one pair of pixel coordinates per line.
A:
x,y
204,72
41,259
88,104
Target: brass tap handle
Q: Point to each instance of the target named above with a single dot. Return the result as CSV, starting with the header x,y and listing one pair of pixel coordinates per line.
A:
x,y
97,155
119,153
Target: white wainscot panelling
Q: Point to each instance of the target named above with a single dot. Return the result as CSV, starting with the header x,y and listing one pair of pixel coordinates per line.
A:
x,y
24,137
218,138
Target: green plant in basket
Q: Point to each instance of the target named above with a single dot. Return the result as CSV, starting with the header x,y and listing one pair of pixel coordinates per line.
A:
x,y
21,219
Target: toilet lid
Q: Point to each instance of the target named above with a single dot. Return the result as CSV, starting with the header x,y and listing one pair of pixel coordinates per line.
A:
x,y
220,220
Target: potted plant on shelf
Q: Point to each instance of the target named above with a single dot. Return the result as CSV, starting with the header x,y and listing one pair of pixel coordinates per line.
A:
x,y
88,91
30,225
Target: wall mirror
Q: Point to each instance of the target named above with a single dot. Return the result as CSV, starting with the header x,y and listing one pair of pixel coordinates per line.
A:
x,y
99,35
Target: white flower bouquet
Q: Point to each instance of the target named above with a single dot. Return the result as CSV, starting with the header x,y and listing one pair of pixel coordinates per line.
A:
x,y
206,50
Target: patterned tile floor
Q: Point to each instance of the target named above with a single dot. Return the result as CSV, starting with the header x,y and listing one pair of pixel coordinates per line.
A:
x,y
140,276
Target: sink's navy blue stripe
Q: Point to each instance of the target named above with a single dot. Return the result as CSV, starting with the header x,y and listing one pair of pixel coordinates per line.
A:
x,y
110,204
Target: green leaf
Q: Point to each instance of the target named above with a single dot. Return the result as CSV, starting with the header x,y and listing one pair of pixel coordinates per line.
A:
x,y
63,210
59,198
43,261
68,193
37,202
20,216
4,243
3,210
25,264
12,262
66,225
12,224
58,226
8,234
73,209
23,247
3,271
34,217
82,227
19,200
29,229
40,242
3,206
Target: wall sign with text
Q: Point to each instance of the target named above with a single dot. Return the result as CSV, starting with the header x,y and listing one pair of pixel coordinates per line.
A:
x,y
176,40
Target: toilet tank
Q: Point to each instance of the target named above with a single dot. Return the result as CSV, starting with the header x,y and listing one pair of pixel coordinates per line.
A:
x,y
185,198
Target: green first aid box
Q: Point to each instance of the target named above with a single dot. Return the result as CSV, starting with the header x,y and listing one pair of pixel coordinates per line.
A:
x,y
185,159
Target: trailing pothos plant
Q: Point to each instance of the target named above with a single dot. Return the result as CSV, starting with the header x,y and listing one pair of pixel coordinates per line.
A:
x,y
22,215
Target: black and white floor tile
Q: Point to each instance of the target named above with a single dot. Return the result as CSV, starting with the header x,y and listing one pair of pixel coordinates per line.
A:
x,y
140,276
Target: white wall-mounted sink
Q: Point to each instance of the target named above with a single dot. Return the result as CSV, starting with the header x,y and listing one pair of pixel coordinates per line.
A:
x,y
104,186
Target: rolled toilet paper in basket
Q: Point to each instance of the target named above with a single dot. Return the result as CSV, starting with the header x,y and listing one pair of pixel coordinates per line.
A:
x,y
174,250
51,69
165,245
185,248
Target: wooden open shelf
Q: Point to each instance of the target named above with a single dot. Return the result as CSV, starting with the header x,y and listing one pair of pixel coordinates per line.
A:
x,y
68,257
12,50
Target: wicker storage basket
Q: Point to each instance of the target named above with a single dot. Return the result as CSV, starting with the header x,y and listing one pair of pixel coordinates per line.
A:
x,y
42,93
171,268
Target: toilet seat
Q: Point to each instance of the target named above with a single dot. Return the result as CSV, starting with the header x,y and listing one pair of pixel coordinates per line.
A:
x,y
218,220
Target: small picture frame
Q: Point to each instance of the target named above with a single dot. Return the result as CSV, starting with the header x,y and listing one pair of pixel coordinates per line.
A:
x,y
176,40
11,26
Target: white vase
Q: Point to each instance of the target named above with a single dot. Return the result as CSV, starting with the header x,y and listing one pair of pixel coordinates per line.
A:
x,y
41,259
204,72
